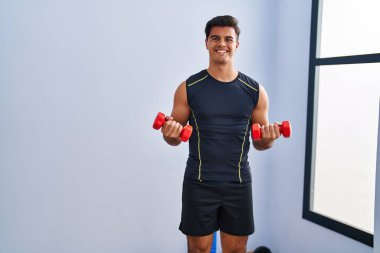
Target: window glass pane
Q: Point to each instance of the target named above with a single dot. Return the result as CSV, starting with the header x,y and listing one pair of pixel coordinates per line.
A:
x,y
349,27
346,143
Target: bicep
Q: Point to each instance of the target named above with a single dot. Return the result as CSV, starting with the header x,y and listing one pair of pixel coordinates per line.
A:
x,y
260,112
181,108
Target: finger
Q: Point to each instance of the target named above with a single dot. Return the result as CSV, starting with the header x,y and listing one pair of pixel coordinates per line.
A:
x,y
167,127
264,132
174,130
272,133
179,130
277,130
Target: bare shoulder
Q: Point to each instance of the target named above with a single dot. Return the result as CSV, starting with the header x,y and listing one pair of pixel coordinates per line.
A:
x,y
263,98
182,87
180,93
181,108
260,112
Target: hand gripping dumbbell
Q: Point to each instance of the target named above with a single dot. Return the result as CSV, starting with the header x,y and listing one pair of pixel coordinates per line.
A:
x,y
160,121
285,130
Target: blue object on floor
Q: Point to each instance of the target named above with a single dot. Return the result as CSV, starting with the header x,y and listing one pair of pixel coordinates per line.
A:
x,y
213,246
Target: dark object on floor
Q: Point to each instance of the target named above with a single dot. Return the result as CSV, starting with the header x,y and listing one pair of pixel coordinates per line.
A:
x,y
262,249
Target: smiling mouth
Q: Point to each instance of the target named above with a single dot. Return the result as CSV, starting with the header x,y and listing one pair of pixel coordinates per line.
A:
x,y
221,51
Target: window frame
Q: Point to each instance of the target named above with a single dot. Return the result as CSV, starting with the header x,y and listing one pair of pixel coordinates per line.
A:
x,y
314,63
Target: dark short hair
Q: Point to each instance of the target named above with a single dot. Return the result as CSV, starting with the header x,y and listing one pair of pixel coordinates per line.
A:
x,y
222,21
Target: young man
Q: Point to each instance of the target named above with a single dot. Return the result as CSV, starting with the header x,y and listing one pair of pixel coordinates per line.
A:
x,y
221,104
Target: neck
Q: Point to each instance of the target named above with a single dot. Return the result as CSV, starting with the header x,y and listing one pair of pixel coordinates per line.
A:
x,y
223,73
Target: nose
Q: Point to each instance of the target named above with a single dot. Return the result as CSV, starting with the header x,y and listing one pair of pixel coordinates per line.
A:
x,y
222,43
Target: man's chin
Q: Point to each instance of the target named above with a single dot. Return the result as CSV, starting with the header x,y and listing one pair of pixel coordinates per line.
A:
x,y
221,61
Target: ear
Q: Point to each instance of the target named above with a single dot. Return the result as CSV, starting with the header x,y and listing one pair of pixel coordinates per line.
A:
x,y
206,44
237,44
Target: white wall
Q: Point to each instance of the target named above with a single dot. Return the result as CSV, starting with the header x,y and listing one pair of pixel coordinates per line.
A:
x,y
81,169
264,53
287,230
376,239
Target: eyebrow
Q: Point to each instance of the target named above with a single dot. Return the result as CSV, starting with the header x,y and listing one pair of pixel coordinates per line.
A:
x,y
216,36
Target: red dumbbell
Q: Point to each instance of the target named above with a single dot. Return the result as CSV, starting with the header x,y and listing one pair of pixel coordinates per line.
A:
x,y
285,130
160,121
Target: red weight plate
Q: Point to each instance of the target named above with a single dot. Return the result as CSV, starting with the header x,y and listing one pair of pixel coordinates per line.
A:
x,y
159,121
256,132
186,133
286,129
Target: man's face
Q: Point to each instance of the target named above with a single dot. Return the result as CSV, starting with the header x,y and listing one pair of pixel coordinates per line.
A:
x,y
222,44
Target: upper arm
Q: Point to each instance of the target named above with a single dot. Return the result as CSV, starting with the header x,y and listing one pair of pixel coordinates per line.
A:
x,y
181,108
260,112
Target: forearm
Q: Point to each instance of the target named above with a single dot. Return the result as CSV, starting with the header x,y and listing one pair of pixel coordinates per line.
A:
x,y
172,141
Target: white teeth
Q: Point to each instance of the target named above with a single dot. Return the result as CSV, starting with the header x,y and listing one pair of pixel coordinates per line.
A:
x,y
221,51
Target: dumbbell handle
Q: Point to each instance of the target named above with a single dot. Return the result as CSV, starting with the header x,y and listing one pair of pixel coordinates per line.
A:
x,y
160,121
284,127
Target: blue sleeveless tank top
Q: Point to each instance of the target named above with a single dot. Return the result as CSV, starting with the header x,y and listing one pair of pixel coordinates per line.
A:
x,y
221,120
